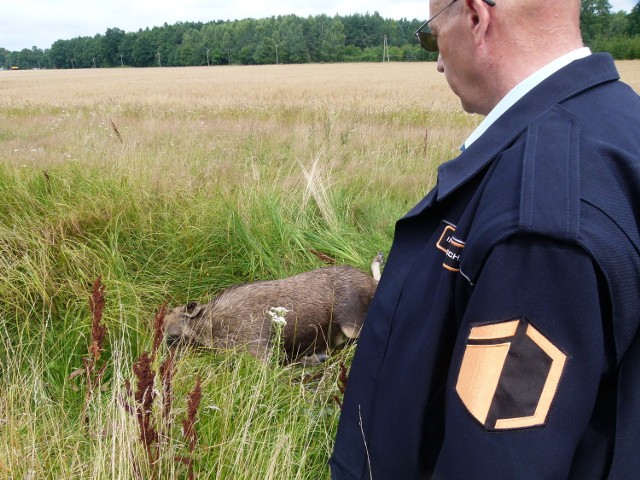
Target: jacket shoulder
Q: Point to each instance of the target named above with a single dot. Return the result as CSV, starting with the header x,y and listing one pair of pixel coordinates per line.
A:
x,y
532,189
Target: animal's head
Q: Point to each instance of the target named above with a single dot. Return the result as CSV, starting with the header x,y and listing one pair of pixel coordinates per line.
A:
x,y
186,325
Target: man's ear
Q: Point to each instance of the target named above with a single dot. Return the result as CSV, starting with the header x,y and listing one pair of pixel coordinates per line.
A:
x,y
478,18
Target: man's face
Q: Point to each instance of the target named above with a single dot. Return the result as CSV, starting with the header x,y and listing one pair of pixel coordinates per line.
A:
x,y
457,54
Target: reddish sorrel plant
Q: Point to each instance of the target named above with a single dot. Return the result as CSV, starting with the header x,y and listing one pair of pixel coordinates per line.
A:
x,y
167,369
144,397
342,384
189,426
93,370
145,392
151,429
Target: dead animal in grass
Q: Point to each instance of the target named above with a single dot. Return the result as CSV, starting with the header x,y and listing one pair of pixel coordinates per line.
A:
x,y
318,310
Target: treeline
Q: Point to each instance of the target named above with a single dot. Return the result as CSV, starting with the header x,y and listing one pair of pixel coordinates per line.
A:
x,y
282,39
290,39
617,33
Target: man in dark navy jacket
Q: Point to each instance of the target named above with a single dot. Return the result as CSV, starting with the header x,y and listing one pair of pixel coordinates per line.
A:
x,y
503,340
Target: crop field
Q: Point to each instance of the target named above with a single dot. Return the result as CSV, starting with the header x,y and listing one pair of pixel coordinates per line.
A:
x,y
124,190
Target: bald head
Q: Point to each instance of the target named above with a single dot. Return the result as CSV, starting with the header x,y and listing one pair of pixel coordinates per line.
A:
x,y
487,50
527,35
539,22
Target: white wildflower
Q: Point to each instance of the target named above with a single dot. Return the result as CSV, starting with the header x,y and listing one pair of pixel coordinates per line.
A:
x,y
277,315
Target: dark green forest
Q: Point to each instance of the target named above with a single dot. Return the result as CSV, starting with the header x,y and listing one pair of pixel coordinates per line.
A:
x,y
289,39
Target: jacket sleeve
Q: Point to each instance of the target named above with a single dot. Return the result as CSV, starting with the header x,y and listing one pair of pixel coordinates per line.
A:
x,y
527,366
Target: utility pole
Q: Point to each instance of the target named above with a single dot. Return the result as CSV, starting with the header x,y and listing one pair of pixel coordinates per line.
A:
x,y
208,65
121,62
276,54
159,60
385,50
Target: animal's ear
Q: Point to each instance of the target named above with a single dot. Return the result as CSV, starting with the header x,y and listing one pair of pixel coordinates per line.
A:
x,y
192,309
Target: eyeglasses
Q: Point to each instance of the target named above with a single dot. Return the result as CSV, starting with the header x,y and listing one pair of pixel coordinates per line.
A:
x,y
426,37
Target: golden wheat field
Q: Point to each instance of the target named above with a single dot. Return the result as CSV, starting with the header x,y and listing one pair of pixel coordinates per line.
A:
x,y
173,119
182,115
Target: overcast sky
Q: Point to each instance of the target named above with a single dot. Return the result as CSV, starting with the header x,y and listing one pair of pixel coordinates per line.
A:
x,y
25,23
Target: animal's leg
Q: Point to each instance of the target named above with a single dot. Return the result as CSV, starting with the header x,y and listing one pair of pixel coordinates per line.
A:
x,y
376,265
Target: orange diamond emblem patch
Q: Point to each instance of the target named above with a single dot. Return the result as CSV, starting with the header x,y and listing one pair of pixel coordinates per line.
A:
x,y
509,375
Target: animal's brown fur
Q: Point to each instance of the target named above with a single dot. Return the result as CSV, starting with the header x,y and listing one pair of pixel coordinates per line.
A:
x,y
325,307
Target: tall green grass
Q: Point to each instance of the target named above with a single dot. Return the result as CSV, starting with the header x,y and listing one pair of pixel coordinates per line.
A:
x,y
191,202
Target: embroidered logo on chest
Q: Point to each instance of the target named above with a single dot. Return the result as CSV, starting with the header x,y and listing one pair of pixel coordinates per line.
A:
x,y
509,375
451,246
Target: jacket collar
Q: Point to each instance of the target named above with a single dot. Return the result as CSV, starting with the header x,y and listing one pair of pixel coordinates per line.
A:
x,y
568,82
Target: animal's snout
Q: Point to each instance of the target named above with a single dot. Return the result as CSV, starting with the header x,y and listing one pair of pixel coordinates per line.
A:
x,y
174,328
314,359
321,357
